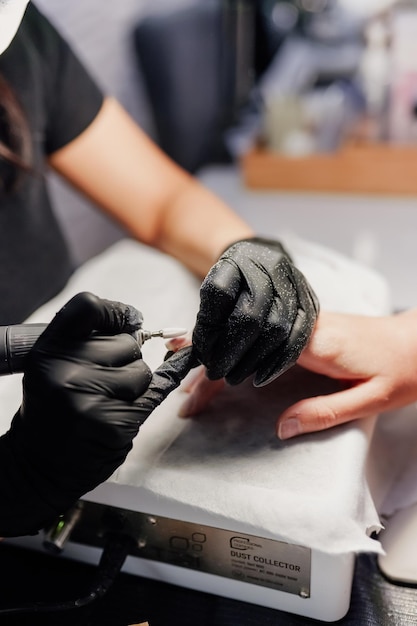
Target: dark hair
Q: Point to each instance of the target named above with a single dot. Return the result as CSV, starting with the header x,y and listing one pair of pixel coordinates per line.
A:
x,y
15,138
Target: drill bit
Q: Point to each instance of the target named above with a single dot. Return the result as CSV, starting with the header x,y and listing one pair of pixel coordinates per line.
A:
x,y
165,333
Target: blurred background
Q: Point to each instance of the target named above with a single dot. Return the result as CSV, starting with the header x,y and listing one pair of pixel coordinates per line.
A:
x,y
263,100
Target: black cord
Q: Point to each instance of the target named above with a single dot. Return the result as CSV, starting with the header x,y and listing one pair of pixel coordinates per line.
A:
x,y
115,552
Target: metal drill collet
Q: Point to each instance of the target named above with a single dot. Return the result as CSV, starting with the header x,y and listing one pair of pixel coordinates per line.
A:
x,y
165,333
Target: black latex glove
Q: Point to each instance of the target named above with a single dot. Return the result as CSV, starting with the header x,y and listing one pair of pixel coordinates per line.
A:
x,y
256,315
83,403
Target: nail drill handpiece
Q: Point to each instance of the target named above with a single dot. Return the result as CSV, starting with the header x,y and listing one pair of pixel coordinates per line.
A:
x,y
17,340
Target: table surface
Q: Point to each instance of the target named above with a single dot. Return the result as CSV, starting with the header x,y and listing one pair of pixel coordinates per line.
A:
x,y
36,576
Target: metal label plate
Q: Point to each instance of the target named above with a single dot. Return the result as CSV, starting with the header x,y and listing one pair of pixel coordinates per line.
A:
x,y
239,556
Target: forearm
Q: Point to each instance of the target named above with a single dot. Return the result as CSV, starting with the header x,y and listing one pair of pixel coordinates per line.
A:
x,y
122,170
198,227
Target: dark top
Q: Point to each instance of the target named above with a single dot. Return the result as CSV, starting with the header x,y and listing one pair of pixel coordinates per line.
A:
x,y
60,100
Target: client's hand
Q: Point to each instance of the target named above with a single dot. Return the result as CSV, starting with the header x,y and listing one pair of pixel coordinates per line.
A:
x,y
376,358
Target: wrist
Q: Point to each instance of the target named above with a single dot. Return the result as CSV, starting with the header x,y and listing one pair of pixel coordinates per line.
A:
x,y
273,244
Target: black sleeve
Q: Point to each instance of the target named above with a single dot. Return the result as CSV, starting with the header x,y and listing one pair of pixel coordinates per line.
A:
x,y
72,97
22,510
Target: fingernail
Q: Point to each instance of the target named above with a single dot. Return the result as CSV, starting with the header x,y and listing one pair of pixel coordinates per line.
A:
x,y
289,428
175,343
187,408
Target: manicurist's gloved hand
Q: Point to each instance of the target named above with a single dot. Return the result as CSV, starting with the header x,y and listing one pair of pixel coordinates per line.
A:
x,y
256,315
86,392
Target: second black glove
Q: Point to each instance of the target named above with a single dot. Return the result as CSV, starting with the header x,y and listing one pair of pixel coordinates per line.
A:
x,y
256,315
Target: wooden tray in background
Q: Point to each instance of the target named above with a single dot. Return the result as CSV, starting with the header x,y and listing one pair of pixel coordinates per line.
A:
x,y
377,169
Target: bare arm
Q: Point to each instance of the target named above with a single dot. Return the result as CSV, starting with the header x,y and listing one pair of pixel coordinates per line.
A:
x,y
114,163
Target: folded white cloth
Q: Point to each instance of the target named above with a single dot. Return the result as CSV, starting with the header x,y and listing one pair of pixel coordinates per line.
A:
x,y
228,463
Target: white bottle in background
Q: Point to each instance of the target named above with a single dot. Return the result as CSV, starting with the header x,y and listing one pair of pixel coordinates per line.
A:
x,y
403,88
375,76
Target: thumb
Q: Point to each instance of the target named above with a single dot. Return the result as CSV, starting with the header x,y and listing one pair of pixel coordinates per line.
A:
x,y
165,379
323,412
